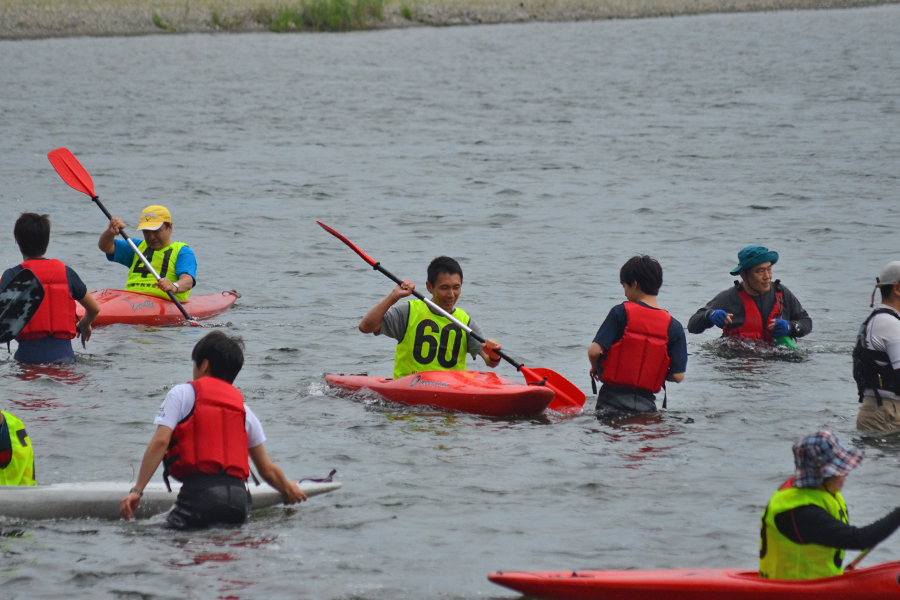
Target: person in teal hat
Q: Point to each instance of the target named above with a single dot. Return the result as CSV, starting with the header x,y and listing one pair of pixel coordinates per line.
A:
x,y
756,307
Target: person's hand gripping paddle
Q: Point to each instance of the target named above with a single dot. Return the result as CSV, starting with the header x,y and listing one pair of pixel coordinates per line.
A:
x,y
567,398
74,174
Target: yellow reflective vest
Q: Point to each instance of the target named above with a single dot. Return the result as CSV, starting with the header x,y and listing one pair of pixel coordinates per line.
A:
x,y
16,454
779,557
431,342
140,279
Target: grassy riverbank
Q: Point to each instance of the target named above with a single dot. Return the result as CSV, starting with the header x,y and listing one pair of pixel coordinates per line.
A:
x,y
58,18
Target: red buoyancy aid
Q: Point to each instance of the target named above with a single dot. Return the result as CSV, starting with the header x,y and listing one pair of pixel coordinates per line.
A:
x,y
213,437
641,358
56,315
753,326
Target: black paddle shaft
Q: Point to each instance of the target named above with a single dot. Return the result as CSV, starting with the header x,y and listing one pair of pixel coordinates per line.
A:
x,y
377,266
124,235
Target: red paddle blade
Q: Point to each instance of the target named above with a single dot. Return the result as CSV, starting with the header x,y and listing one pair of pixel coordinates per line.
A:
x,y
568,398
71,171
362,254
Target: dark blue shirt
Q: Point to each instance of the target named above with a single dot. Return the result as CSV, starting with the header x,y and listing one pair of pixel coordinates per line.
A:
x,y
613,328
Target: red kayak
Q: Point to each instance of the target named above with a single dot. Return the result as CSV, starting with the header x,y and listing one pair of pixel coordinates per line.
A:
x,y
471,392
133,308
872,583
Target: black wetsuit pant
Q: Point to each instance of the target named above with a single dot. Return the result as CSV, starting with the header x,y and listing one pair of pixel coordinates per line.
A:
x,y
210,499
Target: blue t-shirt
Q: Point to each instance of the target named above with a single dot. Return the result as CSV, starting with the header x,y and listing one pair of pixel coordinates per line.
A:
x,y
613,329
185,263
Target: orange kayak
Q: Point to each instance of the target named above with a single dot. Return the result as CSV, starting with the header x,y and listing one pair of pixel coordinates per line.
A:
x,y
471,392
132,308
872,583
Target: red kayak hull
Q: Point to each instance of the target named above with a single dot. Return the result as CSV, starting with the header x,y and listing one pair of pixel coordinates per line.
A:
x,y
473,392
132,308
872,583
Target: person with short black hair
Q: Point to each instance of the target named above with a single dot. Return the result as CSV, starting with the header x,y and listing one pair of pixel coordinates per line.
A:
x,y
639,346
427,341
756,307
47,338
205,437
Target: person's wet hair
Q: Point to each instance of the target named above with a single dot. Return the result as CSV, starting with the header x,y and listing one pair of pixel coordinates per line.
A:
x,y
225,355
645,270
443,264
32,232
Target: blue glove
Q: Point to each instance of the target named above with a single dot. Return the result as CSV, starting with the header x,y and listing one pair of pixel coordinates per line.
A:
x,y
718,317
782,328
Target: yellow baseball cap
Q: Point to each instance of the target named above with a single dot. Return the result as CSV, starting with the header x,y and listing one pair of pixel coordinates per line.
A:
x,y
153,217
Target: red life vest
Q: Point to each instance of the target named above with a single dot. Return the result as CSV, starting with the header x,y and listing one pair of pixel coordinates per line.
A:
x,y
753,326
56,315
641,358
213,437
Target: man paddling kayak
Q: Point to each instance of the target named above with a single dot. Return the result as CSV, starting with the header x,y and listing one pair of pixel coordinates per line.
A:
x,y
427,341
805,527
738,310
639,346
174,261
16,453
47,338
204,436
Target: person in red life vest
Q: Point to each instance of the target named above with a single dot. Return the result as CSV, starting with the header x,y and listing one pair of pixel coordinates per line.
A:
x,y
48,336
806,525
204,437
639,346
755,307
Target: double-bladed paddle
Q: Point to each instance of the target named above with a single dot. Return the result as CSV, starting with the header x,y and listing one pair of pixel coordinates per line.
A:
x,y
567,398
74,174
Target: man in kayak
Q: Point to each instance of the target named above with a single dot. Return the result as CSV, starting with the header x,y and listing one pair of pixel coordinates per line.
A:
x,y
47,338
175,262
805,527
738,310
427,341
204,436
876,358
639,346
16,453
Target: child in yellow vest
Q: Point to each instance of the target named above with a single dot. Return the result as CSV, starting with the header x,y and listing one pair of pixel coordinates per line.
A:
x,y
16,454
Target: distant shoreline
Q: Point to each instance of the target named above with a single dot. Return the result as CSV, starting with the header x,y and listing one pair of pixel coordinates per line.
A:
x,y
35,19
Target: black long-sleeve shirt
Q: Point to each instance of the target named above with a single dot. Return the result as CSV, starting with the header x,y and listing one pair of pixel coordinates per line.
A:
x,y
730,302
812,524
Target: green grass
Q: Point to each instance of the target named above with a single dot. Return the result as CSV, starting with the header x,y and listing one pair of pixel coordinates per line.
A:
x,y
325,15
157,20
406,13
218,21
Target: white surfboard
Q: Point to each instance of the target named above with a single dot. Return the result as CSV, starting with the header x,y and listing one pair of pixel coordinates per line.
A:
x,y
100,500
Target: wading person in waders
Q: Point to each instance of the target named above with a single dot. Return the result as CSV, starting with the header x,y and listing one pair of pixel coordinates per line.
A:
x,y
427,341
805,527
639,346
47,338
175,262
205,437
739,310
876,358
16,453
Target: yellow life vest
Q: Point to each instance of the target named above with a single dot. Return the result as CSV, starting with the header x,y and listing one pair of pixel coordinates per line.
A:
x,y
140,279
431,342
779,557
16,453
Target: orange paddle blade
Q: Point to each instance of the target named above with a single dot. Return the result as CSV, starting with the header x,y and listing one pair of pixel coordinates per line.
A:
x,y
71,171
568,398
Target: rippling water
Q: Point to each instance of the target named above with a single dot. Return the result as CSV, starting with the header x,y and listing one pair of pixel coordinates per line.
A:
x,y
542,156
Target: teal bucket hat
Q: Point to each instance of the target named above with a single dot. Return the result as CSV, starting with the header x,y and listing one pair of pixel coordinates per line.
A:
x,y
754,255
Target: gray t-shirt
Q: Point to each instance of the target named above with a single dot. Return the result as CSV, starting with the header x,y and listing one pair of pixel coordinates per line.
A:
x,y
396,320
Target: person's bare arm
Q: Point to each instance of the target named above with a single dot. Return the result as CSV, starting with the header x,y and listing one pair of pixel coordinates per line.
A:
x,y
154,454
675,377
595,351
490,347
91,311
274,476
108,237
371,323
185,282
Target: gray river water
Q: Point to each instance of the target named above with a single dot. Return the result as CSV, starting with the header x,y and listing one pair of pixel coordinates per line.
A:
x,y
542,156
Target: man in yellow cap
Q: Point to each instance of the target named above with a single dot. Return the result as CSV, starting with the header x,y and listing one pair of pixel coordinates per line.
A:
x,y
174,261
